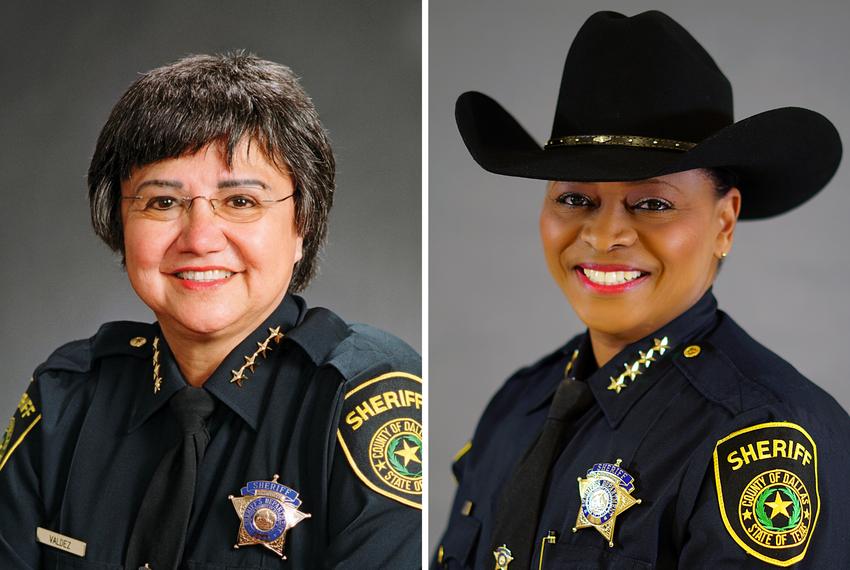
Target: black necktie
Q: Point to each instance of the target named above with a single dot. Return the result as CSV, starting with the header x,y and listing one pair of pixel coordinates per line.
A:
x,y
519,509
159,535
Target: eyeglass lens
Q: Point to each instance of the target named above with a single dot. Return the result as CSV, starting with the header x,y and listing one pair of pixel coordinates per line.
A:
x,y
236,205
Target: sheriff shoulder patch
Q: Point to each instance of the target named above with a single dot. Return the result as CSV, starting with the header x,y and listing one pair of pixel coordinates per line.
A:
x,y
381,435
767,488
25,419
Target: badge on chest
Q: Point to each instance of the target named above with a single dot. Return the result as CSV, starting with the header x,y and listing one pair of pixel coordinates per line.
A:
x,y
605,492
266,510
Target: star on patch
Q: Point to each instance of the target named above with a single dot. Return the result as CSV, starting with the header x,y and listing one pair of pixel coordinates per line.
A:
x,y
605,494
408,452
266,510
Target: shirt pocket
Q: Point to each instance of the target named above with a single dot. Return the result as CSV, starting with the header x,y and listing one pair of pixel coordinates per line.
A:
x,y
588,558
57,560
459,543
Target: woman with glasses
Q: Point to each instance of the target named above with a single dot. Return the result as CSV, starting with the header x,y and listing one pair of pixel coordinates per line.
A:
x,y
241,427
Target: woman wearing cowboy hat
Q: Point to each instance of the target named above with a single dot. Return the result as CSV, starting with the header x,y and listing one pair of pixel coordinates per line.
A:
x,y
664,436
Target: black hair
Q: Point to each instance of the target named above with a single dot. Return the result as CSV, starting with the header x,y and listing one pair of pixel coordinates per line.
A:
x,y
723,179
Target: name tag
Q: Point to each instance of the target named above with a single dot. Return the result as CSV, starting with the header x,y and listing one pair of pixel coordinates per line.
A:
x,y
60,541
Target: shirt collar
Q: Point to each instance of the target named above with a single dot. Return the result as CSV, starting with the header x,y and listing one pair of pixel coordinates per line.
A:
x,y
624,379
240,381
636,358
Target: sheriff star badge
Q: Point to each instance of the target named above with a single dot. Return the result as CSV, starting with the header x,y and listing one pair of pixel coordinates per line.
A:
x,y
266,511
605,493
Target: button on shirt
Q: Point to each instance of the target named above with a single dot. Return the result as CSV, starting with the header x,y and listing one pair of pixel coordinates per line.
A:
x,y
663,422
104,424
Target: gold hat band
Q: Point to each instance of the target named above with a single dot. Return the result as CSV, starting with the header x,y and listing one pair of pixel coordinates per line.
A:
x,y
620,140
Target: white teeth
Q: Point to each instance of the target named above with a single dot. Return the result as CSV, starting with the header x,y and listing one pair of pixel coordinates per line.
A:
x,y
212,275
610,277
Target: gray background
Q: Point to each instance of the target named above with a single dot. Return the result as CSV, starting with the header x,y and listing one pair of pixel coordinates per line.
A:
x,y
493,307
64,64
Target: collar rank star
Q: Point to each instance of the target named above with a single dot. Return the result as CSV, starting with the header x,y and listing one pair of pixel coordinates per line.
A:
x,y
266,511
659,347
503,557
263,348
605,493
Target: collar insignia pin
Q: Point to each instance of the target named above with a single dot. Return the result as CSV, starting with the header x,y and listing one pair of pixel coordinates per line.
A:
x,y
266,511
605,493
251,363
157,379
503,557
633,370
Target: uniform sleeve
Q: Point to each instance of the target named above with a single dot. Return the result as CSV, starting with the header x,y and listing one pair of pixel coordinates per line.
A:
x,y
21,505
376,479
773,495
443,558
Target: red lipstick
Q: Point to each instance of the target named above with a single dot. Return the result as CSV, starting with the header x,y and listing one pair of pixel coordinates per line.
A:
x,y
606,289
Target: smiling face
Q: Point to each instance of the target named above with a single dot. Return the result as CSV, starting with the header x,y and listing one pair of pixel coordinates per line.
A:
x,y
632,256
201,273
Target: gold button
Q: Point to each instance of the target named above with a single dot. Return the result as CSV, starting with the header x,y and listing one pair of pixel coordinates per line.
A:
x,y
466,509
138,341
440,555
692,351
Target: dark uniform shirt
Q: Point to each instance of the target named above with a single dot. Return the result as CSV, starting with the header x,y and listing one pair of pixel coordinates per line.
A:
x,y
775,492
93,425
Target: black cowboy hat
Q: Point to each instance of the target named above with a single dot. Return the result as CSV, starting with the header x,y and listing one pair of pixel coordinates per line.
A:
x,y
641,98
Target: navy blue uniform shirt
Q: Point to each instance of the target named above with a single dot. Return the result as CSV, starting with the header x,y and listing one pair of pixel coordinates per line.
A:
x,y
94,423
737,459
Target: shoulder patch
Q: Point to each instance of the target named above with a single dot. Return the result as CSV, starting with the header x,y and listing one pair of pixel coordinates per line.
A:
x,y
25,419
381,435
767,489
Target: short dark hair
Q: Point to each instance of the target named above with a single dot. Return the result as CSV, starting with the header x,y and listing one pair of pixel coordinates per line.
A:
x,y
180,108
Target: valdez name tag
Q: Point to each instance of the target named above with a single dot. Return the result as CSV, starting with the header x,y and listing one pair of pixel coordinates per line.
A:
x,y
61,542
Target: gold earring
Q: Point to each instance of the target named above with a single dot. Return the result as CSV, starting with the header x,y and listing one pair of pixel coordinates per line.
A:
x,y
723,255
